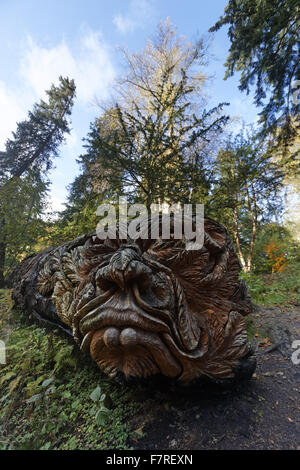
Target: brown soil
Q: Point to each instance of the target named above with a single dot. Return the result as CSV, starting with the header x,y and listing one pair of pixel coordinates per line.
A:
x,y
262,413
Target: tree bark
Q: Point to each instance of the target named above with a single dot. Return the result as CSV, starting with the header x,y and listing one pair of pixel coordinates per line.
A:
x,y
237,242
253,212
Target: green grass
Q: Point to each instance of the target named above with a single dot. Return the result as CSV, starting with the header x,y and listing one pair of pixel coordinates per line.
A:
x,y
275,289
45,394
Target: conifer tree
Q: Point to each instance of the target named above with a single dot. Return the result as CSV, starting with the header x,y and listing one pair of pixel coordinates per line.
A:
x,y
27,157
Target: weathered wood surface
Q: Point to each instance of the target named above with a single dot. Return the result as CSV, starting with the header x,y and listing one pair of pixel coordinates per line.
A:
x,y
145,307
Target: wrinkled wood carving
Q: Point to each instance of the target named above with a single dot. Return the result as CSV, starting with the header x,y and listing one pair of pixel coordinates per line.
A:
x,y
145,307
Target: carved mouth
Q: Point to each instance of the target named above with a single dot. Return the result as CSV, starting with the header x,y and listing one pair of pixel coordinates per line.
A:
x,y
121,335
129,340
133,351
136,334
108,316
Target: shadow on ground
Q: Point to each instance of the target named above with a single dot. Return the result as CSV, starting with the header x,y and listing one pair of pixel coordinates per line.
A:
x,y
260,414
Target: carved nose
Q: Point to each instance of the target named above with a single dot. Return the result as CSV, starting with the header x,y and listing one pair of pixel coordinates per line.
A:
x,y
124,269
137,272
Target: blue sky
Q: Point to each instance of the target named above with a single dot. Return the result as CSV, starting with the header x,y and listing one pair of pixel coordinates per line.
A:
x,y
41,40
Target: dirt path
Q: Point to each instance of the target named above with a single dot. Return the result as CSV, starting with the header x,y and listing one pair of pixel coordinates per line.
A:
x,y
260,414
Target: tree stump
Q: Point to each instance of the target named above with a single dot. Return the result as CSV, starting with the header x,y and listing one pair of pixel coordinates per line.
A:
x,y
145,307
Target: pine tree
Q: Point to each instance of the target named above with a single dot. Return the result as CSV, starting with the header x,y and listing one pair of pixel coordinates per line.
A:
x,y
265,49
151,142
30,152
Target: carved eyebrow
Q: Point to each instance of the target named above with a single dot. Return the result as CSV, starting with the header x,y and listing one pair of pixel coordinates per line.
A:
x,y
170,253
154,264
106,259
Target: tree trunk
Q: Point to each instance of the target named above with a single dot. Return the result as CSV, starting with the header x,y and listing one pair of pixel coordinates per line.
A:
x,y
237,242
250,257
191,324
253,212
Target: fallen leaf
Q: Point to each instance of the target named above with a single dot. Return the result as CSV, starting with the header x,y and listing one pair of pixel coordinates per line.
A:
x,y
139,431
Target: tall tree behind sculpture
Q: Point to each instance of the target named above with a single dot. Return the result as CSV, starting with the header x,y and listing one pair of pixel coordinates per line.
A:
x,y
248,191
153,138
29,154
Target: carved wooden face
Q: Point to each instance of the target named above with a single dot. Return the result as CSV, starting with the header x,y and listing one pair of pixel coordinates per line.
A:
x,y
152,307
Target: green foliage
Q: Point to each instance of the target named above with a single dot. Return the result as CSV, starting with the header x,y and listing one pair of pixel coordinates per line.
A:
x,y
264,37
282,238
247,192
48,398
23,168
23,200
250,328
100,410
79,216
275,289
153,143
36,140
5,307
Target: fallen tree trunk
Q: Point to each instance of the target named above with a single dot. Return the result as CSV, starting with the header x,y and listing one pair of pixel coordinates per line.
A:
x,y
145,307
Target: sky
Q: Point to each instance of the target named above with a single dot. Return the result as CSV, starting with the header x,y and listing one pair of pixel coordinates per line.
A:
x,y
41,40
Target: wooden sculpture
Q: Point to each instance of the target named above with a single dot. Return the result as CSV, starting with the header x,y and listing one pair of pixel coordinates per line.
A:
x,y
145,307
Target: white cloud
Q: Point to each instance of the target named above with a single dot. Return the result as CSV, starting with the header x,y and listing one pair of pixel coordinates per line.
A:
x,y
72,140
138,13
56,203
11,111
91,67
244,109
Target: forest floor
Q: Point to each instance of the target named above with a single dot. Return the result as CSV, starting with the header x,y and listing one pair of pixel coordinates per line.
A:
x,y
45,400
261,414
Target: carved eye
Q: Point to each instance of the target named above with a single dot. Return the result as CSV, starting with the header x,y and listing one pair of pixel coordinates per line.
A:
x,y
160,292
104,285
144,282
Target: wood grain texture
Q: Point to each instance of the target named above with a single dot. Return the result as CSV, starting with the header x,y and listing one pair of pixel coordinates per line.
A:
x,y
145,307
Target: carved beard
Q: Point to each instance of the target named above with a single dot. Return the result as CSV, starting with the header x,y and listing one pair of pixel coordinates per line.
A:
x,y
137,317
150,307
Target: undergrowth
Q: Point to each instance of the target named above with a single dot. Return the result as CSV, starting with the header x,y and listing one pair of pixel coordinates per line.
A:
x,y
53,397
275,289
